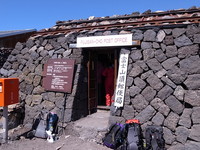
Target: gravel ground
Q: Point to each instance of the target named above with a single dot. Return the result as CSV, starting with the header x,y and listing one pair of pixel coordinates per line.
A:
x,y
67,142
70,140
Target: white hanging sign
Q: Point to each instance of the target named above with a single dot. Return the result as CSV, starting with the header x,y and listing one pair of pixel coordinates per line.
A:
x,y
121,80
104,41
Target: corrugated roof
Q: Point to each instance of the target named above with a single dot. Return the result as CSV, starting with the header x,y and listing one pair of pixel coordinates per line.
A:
x,y
134,20
15,32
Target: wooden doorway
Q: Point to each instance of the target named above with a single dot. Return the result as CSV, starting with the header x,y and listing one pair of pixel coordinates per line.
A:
x,y
98,60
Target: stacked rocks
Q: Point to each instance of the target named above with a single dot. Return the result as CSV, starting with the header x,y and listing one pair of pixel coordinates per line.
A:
x,y
5,52
162,86
163,82
26,63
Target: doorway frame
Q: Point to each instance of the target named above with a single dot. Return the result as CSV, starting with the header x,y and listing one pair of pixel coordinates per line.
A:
x,y
93,99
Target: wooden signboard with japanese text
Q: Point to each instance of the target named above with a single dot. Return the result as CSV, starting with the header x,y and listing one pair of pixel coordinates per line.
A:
x,y
121,80
58,75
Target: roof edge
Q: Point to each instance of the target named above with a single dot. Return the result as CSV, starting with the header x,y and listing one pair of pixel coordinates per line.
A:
x,y
18,32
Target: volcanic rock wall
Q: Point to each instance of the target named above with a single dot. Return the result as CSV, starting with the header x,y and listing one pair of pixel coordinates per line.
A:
x,y
163,83
27,61
5,52
162,86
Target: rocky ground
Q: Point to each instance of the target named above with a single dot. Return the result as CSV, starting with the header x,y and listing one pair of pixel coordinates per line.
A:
x,y
83,134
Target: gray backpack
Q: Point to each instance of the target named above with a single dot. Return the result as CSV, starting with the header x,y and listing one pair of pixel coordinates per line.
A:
x,y
154,138
133,137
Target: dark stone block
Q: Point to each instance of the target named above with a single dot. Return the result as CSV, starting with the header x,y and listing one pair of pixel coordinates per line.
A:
x,y
128,112
195,115
146,45
137,34
149,35
169,40
158,119
177,32
188,51
129,81
155,82
29,43
192,97
28,89
139,83
185,119
170,63
182,134
176,75
143,65
154,64
148,54
149,93
171,51
136,70
165,92
168,82
182,41
191,30
146,74
190,65
139,102
179,93
195,133
19,46
191,145
171,121
168,136
174,104
134,90
146,114
160,56
136,55
197,38
193,82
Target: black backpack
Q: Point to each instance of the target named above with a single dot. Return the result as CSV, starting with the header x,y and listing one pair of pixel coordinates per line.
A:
x,y
154,138
133,137
113,138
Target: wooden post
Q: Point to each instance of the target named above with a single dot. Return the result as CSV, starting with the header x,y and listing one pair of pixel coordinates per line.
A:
x,y
5,124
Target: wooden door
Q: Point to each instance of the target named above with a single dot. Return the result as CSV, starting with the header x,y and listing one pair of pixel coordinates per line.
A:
x,y
92,86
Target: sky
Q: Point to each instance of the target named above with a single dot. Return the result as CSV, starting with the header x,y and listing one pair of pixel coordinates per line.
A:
x,y
41,14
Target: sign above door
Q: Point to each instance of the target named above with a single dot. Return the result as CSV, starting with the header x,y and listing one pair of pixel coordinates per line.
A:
x,y
106,41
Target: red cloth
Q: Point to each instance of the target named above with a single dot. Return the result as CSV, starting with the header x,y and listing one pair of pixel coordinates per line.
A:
x,y
108,73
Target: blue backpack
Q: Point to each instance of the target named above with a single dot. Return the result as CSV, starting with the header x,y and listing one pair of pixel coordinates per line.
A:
x,y
114,137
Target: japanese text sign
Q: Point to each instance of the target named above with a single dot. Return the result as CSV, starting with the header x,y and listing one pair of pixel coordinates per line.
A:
x,y
58,75
121,80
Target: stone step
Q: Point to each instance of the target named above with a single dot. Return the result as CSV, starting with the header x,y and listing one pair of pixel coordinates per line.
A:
x,y
94,126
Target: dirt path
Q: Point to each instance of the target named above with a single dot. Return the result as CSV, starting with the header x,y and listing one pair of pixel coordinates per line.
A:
x,y
68,142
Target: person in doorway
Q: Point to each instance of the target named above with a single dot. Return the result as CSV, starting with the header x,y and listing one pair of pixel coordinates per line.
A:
x,y
108,73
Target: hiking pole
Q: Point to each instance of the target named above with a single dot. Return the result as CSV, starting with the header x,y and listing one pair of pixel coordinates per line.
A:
x,y
63,112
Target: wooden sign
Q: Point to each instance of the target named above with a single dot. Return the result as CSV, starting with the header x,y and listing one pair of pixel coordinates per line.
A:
x,y
121,80
58,75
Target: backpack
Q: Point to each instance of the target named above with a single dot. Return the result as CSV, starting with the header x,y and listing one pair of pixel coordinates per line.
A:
x,y
154,138
51,122
38,127
113,138
132,135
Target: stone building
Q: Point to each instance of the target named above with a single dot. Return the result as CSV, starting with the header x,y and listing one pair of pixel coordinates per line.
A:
x,y
8,40
163,72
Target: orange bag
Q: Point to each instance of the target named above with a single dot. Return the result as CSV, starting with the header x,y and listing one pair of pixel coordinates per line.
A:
x,y
133,121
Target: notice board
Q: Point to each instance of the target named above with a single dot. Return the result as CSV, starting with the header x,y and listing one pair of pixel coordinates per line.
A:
x,y
58,75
